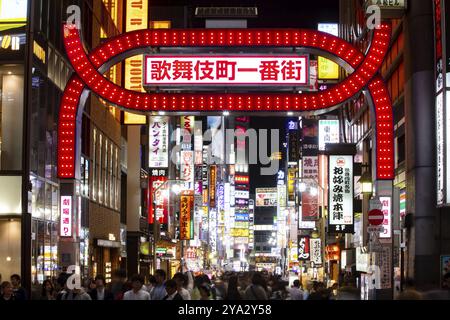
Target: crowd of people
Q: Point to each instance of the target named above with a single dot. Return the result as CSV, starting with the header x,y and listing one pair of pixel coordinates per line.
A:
x,y
187,286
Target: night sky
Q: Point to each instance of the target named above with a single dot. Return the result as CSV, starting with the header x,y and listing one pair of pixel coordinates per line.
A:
x,y
273,14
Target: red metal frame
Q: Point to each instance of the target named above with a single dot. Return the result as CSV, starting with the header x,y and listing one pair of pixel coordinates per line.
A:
x,y
87,74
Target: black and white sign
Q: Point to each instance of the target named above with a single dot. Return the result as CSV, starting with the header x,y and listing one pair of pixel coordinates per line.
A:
x,y
341,219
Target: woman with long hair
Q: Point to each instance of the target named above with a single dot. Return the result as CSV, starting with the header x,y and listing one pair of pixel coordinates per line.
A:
x,y
48,291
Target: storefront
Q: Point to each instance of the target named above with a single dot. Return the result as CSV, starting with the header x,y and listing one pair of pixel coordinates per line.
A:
x,y
106,257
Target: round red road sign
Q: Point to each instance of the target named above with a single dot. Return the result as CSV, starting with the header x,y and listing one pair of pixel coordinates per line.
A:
x,y
376,217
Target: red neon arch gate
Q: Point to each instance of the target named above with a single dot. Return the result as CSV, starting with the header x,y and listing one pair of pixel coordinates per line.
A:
x,y
87,76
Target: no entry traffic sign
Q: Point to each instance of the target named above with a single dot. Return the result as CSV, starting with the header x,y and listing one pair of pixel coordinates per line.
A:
x,y
376,217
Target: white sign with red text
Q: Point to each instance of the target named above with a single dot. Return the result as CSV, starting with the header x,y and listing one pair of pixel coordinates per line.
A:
x,y
387,212
66,216
292,70
187,169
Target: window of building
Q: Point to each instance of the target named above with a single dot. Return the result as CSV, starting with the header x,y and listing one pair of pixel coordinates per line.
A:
x,y
84,177
11,117
401,149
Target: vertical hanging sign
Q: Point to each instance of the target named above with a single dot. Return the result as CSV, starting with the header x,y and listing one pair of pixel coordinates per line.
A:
x,y
303,248
316,251
159,142
186,217
158,201
340,217
212,186
66,216
136,19
187,169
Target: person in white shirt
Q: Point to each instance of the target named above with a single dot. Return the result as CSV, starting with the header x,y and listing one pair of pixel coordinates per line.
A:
x,y
180,279
296,292
137,293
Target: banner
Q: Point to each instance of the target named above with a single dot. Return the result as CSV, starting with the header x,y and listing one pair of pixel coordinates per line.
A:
x,y
303,248
266,197
186,217
341,217
187,169
66,216
212,186
158,205
329,132
227,70
159,142
310,203
187,132
316,251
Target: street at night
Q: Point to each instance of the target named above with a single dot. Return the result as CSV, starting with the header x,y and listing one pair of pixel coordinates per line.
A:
x,y
242,152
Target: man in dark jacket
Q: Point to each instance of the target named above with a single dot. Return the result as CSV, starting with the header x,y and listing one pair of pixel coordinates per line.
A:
x,y
100,292
172,292
19,292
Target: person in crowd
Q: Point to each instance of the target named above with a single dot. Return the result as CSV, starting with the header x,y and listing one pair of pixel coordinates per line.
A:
x,y
205,292
159,291
91,286
296,292
7,292
48,290
76,294
195,294
257,290
279,291
137,292
220,287
318,292
171,288
347,292
151,284
118,284
19,292
100,292
233,293
180,279
61,285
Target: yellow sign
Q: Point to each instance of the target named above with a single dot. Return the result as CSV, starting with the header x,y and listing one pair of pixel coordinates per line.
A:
x,y
160,24
136,19
13,14
186,217
328,70
239,233
39,52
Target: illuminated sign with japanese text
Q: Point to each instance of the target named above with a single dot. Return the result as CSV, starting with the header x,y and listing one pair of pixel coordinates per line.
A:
x,y
136,19
303,248
227,70
316,251
66,216
158,200
387,222
212,186
266,197
187,169
159,142
341,194
186,217
328,133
